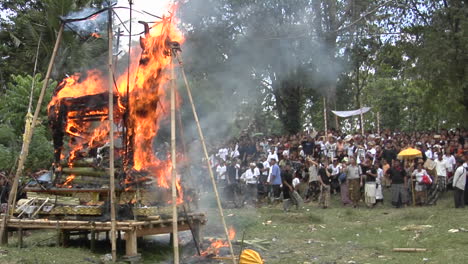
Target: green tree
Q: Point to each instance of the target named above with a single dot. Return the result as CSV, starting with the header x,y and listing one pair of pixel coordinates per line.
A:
x,y
13,109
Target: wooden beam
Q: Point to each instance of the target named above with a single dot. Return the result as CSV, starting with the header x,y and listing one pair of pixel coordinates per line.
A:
x,y
175,239
111,136
159,230
131,247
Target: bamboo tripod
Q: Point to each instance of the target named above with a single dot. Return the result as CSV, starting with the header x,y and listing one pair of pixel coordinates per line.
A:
x,y
111,138
205,152
175,238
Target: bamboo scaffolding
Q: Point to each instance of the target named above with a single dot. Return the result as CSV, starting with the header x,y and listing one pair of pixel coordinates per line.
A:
x,y
175,239
362,117
111,138
27,140
205,152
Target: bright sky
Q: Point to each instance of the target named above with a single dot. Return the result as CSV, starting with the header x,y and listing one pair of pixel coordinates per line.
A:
x,y
155,7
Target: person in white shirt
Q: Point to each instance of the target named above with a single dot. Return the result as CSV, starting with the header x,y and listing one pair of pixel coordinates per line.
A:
x,y
428,153
330,147
250,177
459,182
451,162
301,152
223,153
379,181
419,187
272,154
221,172
234,152
441,171
350,149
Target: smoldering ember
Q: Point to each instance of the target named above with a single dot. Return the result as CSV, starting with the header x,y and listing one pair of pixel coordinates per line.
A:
x,y
221,131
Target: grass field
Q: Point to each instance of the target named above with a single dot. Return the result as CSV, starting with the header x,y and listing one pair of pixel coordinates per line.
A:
x,y
311,235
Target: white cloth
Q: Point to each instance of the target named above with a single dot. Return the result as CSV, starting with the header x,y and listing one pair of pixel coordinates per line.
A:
x,y
301,153
295,182
221,171
459,178
378,180
429,154
419,177
266,165
250,176
222,153
272,156
362,110
331,149
370,192
441,167
234,153
269,175
360,152
451,162
313,173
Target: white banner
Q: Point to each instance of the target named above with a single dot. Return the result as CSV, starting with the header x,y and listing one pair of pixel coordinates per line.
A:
x,y
352,112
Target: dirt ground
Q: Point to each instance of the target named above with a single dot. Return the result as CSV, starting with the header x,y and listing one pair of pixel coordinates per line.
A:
x,y
308,235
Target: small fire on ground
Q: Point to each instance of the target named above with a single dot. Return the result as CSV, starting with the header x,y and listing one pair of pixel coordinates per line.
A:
x,y
218,245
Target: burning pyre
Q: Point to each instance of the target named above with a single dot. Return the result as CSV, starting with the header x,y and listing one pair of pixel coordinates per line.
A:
x,y
78,115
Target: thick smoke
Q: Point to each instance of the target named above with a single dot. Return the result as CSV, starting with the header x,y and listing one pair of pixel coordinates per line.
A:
x,y
95,24
239,53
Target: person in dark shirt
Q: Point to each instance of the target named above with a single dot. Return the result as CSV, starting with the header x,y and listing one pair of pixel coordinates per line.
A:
x,y
369,174
324,179
232,172
308,146
287,177
399,187
389,154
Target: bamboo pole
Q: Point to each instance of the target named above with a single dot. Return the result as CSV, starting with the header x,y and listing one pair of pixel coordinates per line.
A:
x,y
31,95
409,250
175,238
27,140
378,123
111,137
362,117
337,122
205,152
325,117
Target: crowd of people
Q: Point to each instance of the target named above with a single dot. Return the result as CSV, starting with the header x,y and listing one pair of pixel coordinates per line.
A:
x,y
314,166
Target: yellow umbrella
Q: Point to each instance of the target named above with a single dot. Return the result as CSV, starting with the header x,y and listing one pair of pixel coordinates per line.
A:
x,y
409,153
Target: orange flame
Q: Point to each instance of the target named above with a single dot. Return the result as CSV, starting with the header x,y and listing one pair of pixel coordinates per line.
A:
x,y
147,101
217,244
96,35
68,181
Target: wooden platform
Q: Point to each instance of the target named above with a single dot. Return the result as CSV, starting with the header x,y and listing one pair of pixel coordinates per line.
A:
x,y
131,228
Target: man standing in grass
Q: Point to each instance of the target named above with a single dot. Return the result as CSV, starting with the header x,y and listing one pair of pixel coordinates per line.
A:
x,y
399,185
275,179
459,181
353,172
324,179
441,169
